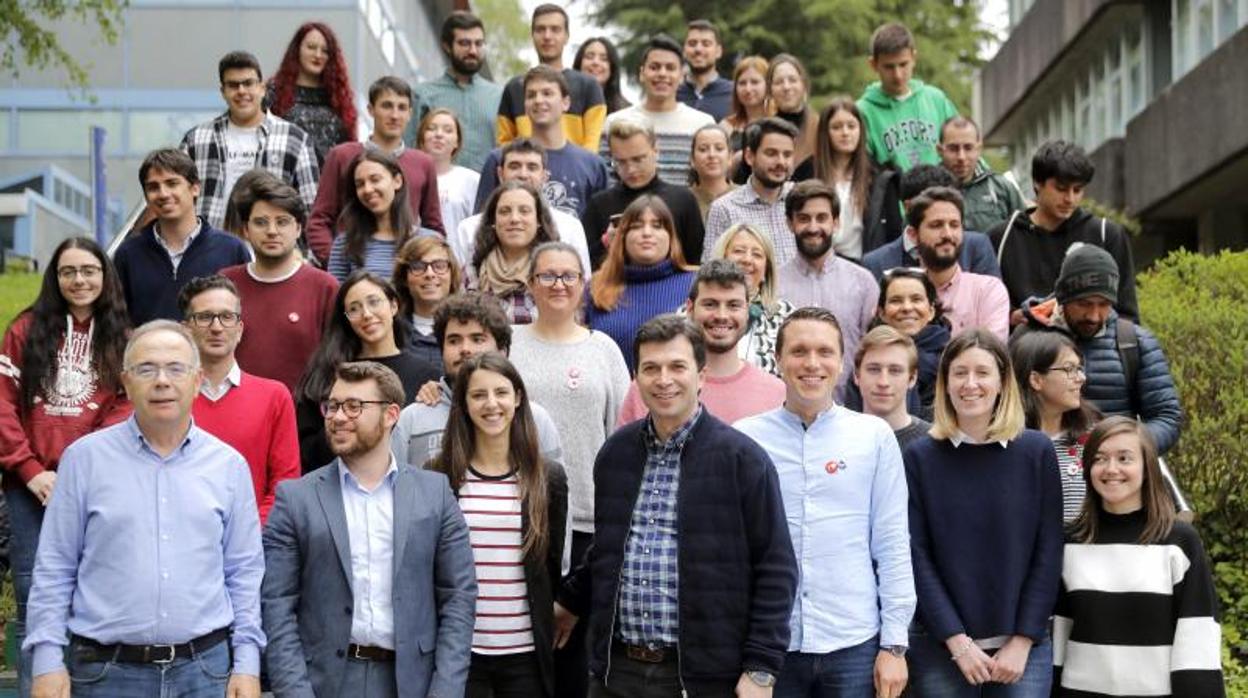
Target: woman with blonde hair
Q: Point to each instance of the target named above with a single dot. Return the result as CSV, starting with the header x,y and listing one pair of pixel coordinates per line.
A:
x,y
754,253
985,533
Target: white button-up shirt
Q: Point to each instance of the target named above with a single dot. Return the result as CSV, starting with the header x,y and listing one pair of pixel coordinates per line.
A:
x,y
370,528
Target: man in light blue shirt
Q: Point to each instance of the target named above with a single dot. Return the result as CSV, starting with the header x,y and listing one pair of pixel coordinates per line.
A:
x,y
150,556
846,501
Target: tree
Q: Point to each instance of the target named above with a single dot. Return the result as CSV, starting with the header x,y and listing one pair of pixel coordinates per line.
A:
x,y
31,43
831,37
507,35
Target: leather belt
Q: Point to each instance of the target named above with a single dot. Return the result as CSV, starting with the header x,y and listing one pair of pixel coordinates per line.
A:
x,y
649,655
89,650
369,654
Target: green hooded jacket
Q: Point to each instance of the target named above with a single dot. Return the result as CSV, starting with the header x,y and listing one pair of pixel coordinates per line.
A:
x,y
904,132
988,199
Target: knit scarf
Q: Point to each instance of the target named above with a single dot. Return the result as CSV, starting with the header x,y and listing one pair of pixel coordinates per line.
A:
x,y
498,278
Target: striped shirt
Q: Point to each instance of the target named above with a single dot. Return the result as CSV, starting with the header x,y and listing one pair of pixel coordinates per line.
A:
x,y
673,132
474,104
744,205
378,258
582,122
492,507
1070,467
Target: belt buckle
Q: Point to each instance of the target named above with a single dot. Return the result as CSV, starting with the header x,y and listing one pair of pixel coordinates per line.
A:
x,y
173,654
355,653
643,653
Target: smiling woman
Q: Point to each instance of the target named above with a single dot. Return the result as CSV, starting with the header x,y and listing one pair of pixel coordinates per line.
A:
x,y
515,220
312,89
376,221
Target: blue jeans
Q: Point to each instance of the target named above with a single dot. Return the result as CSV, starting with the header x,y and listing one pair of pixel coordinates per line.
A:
x,y
25,522
204,675
845,673
934,675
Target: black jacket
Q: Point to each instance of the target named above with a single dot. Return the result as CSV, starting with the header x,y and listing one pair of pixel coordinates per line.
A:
x,y
737,570
613,200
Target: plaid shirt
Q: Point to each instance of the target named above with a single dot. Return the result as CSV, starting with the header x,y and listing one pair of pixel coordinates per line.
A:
x,y
285,150
519,305
649,581
744,205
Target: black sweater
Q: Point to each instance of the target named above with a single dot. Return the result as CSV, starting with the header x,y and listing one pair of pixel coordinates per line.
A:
x,y
681,201
737,570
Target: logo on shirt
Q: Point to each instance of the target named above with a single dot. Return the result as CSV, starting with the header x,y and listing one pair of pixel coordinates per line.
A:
x,y
834,466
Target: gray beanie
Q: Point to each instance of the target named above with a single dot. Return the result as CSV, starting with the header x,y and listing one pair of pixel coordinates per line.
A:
x,y
1088,270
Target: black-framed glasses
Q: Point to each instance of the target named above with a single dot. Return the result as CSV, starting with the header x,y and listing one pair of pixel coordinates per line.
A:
x,y
567,278
439,266
1072,371
227,319
350,407
235,85
148,371
87,271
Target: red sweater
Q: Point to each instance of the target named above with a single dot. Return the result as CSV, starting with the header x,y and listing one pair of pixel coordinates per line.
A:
x,y
33,444
419,176
282,321
257,418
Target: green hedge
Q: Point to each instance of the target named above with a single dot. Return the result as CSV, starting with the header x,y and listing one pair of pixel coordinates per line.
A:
x,y
1197,305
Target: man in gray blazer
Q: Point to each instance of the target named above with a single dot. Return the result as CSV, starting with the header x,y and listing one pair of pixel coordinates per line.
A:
x,y
369,589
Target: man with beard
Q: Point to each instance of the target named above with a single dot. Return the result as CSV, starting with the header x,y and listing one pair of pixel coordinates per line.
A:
x,y
818,277
1127,372
769,147
705,89
384,542
460,89
967,300
732,388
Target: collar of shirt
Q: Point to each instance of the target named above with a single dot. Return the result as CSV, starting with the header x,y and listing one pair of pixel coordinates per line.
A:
x,y
450,79
953,281
140,439
397,152
233,379
797,418
749,195
349,479
962,437
907,245
199,225
678,437
827,266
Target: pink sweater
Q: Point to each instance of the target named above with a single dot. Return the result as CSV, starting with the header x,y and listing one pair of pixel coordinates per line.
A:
x,y
749,392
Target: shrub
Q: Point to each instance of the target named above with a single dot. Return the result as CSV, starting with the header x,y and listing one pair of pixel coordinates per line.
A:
x,y
1197,306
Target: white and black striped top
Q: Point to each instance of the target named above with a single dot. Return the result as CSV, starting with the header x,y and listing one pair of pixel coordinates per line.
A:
x,y
1137,620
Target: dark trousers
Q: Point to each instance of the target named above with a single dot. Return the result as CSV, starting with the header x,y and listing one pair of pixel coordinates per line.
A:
x,y
845,673
505,676
629,678
572,661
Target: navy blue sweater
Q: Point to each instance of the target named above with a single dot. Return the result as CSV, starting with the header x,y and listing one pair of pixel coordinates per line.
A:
x,y
736,565
147,276
985,535
648,291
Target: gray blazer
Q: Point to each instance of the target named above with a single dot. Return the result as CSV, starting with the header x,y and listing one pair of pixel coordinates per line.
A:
x,y
307,587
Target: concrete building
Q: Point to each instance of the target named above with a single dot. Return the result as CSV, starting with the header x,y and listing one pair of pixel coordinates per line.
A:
x,y
1155,90
160,77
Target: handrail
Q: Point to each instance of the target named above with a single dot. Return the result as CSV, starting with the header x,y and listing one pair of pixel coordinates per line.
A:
x,y
120,236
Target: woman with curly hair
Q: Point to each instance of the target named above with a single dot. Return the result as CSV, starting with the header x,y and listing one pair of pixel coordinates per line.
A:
x,y
60,379
312,89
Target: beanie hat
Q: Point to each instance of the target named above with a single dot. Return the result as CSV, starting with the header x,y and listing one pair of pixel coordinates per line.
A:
x,y
1088,270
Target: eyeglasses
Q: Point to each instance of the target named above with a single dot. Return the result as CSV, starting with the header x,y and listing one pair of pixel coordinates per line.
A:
x,y
548,280
439,266
372,304
228,319
350,407
283,223
235,85
1072,371
90,272
148,371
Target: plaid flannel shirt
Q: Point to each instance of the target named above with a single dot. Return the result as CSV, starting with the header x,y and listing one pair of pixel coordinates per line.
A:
x,y
649,580
285,150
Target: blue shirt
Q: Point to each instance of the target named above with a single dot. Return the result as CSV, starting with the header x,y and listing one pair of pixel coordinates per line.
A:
x,y
649,582
370,532
715,99
575,176
142,549
845,499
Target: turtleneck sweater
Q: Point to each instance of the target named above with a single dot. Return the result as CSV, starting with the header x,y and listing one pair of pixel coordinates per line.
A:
x,y
648,291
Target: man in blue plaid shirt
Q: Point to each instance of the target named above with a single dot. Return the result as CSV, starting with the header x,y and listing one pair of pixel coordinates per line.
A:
x,y
246,137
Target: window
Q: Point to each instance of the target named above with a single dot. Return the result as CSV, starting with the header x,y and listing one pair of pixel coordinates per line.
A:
x,y
1200,26
150,130
66,132
1228,19
1181,26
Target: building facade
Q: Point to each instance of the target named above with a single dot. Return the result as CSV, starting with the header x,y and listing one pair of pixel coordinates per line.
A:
x,y
1154,90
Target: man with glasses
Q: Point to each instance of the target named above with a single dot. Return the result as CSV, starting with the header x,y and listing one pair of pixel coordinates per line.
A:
x,y
267,437
286,303
380,540
990,198
245,137
150,562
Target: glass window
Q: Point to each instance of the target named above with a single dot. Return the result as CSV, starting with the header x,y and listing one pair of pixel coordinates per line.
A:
x,y
1180,28
1228,19
150,130
67,132
4,129
1204,29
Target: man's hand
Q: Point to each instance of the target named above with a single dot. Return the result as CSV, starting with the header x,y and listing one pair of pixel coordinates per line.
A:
x,y
565,621
891,675
429,394
1011,660
243,686
41,486
746,688
51,685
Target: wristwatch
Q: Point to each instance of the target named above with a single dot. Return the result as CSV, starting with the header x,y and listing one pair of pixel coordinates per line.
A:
x,y
898,651
762,678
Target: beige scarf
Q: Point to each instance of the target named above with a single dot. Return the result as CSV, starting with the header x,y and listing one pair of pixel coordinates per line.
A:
x,y
498,278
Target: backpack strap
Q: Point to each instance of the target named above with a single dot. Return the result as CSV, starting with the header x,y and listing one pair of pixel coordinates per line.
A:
x,y
1129,353
1006,236
1103,232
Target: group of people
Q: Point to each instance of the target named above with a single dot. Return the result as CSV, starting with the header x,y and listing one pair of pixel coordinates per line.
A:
x,y
533,392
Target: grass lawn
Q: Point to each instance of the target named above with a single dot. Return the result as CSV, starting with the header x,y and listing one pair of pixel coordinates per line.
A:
x,y
17,290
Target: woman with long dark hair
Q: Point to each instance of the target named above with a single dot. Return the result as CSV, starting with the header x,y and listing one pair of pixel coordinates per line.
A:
x,y
60,379
377,219
1050,374
515,219
788,90
870,202
1137,612
312,88
599,59
516,506
365,324
425,273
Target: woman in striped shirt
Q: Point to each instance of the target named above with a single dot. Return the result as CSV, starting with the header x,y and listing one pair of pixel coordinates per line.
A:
x,y
516,507
1136,614
376,221
1050,376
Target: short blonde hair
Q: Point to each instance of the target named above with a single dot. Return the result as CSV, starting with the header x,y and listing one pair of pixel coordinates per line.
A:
x,y
625,128
767,291
884,336
1008,417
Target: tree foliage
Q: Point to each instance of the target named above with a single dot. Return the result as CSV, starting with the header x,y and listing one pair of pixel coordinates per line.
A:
x,y
831,37
31,41
507,36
